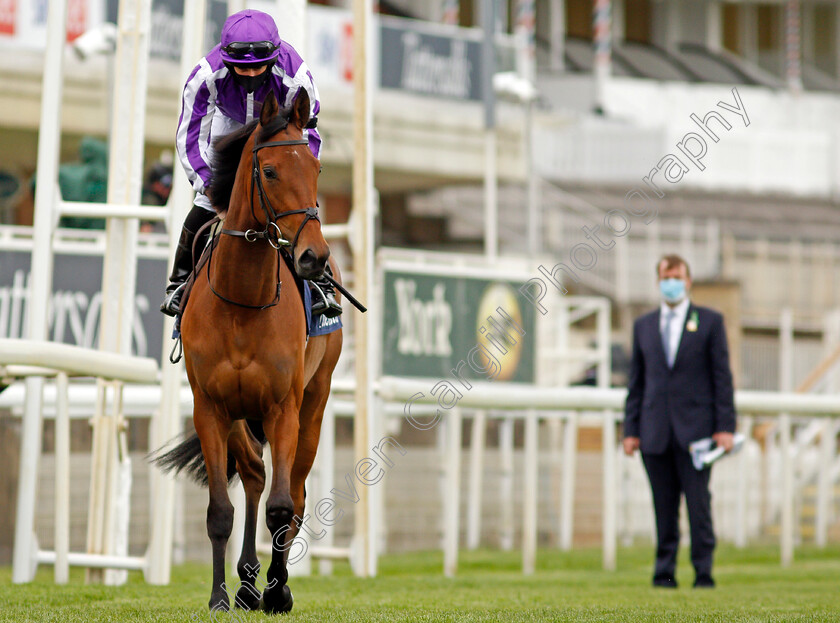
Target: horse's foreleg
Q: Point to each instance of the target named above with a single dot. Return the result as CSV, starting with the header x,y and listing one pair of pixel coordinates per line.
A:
x,y
281,429
311,415
213,432
249,464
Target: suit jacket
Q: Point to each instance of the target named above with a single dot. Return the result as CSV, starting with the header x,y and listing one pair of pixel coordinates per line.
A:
x,y
695,398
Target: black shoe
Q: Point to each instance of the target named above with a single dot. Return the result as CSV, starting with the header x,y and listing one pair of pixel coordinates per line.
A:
x,y
171,305
665,581
323,297
704,581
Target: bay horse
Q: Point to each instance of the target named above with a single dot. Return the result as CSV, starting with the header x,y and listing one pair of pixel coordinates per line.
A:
x,y
254,375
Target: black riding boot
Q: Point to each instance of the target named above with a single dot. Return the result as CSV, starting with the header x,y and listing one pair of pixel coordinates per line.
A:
x,y
323,296
184,259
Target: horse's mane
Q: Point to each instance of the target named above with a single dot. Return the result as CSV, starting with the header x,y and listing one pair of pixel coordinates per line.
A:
x,y
228,153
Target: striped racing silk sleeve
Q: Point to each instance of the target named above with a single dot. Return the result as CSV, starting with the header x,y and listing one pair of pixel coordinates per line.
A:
x,y
192,140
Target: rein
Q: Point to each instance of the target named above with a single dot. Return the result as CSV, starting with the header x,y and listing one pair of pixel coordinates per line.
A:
x,y
271,233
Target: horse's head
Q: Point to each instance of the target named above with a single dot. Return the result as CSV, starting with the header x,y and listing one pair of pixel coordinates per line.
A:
x,y
285,183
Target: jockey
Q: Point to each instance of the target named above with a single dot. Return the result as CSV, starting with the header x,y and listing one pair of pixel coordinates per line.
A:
x,y
224,92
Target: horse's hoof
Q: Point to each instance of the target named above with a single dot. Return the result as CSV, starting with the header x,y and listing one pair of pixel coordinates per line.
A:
x,y
247,598
277,601
219,601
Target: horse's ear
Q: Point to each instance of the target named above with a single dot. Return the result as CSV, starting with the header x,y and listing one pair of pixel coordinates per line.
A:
x,y
300,110
270,109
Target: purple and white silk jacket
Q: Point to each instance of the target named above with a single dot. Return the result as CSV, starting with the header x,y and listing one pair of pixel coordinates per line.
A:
x,y
214,105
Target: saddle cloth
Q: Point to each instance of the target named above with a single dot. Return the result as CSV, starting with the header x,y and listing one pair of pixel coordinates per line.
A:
x,y
315,325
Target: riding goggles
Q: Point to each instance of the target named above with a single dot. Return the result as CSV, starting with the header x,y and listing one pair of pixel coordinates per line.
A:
x,y
239,50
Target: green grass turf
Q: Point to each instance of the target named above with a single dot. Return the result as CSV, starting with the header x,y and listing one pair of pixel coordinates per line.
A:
x,y
752,586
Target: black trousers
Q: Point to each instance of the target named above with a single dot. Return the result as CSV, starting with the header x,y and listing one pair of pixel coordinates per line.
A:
x,y
672,474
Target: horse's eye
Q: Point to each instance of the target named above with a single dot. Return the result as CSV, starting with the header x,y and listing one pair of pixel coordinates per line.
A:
x,y
269,173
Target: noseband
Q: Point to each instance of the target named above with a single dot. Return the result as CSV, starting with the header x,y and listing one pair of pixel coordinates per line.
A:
x,y
272,233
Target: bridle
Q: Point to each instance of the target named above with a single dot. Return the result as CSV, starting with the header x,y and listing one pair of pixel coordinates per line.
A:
x,y
271,233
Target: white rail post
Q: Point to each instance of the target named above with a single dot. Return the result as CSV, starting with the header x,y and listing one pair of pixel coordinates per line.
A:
x,y
103,466
824,476
768,507
452,500
529,511
786,376
827,437
119,273
555,474
625,484
325,459
477,440
569,460
787,527
741,505
168,422
609,493
62,479
441,449
326,475
40,287
363,266
378,524
506,482
609,439
567,492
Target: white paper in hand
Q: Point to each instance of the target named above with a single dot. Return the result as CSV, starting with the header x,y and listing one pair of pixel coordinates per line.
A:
x,y
704,452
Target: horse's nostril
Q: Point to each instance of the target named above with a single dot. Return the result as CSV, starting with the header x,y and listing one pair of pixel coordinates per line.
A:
x,y
307,259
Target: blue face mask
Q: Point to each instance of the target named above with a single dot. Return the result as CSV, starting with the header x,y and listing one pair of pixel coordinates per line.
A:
x,y
672,290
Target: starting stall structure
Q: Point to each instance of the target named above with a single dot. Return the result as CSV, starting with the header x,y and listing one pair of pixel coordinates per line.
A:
x,y
113,364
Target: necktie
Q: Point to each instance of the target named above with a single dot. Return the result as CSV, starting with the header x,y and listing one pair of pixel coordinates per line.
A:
x,y
666,337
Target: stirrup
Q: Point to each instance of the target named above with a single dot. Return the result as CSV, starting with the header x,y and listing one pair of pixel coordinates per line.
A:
x,y
171,305
324,303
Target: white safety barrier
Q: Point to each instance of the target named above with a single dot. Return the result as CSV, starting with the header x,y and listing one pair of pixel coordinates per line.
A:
x,y
24,358
108,515
539,403
533,405
73,360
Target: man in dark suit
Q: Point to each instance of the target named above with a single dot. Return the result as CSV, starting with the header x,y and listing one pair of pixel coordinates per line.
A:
x,y
679,391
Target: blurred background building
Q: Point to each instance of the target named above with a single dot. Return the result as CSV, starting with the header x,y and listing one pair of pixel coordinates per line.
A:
x,y
762,213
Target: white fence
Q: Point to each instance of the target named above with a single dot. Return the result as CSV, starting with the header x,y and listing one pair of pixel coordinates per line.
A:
x,y
25,358
799,452
534,404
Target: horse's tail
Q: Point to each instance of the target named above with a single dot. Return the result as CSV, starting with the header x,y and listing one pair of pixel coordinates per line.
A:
x,y
187,457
